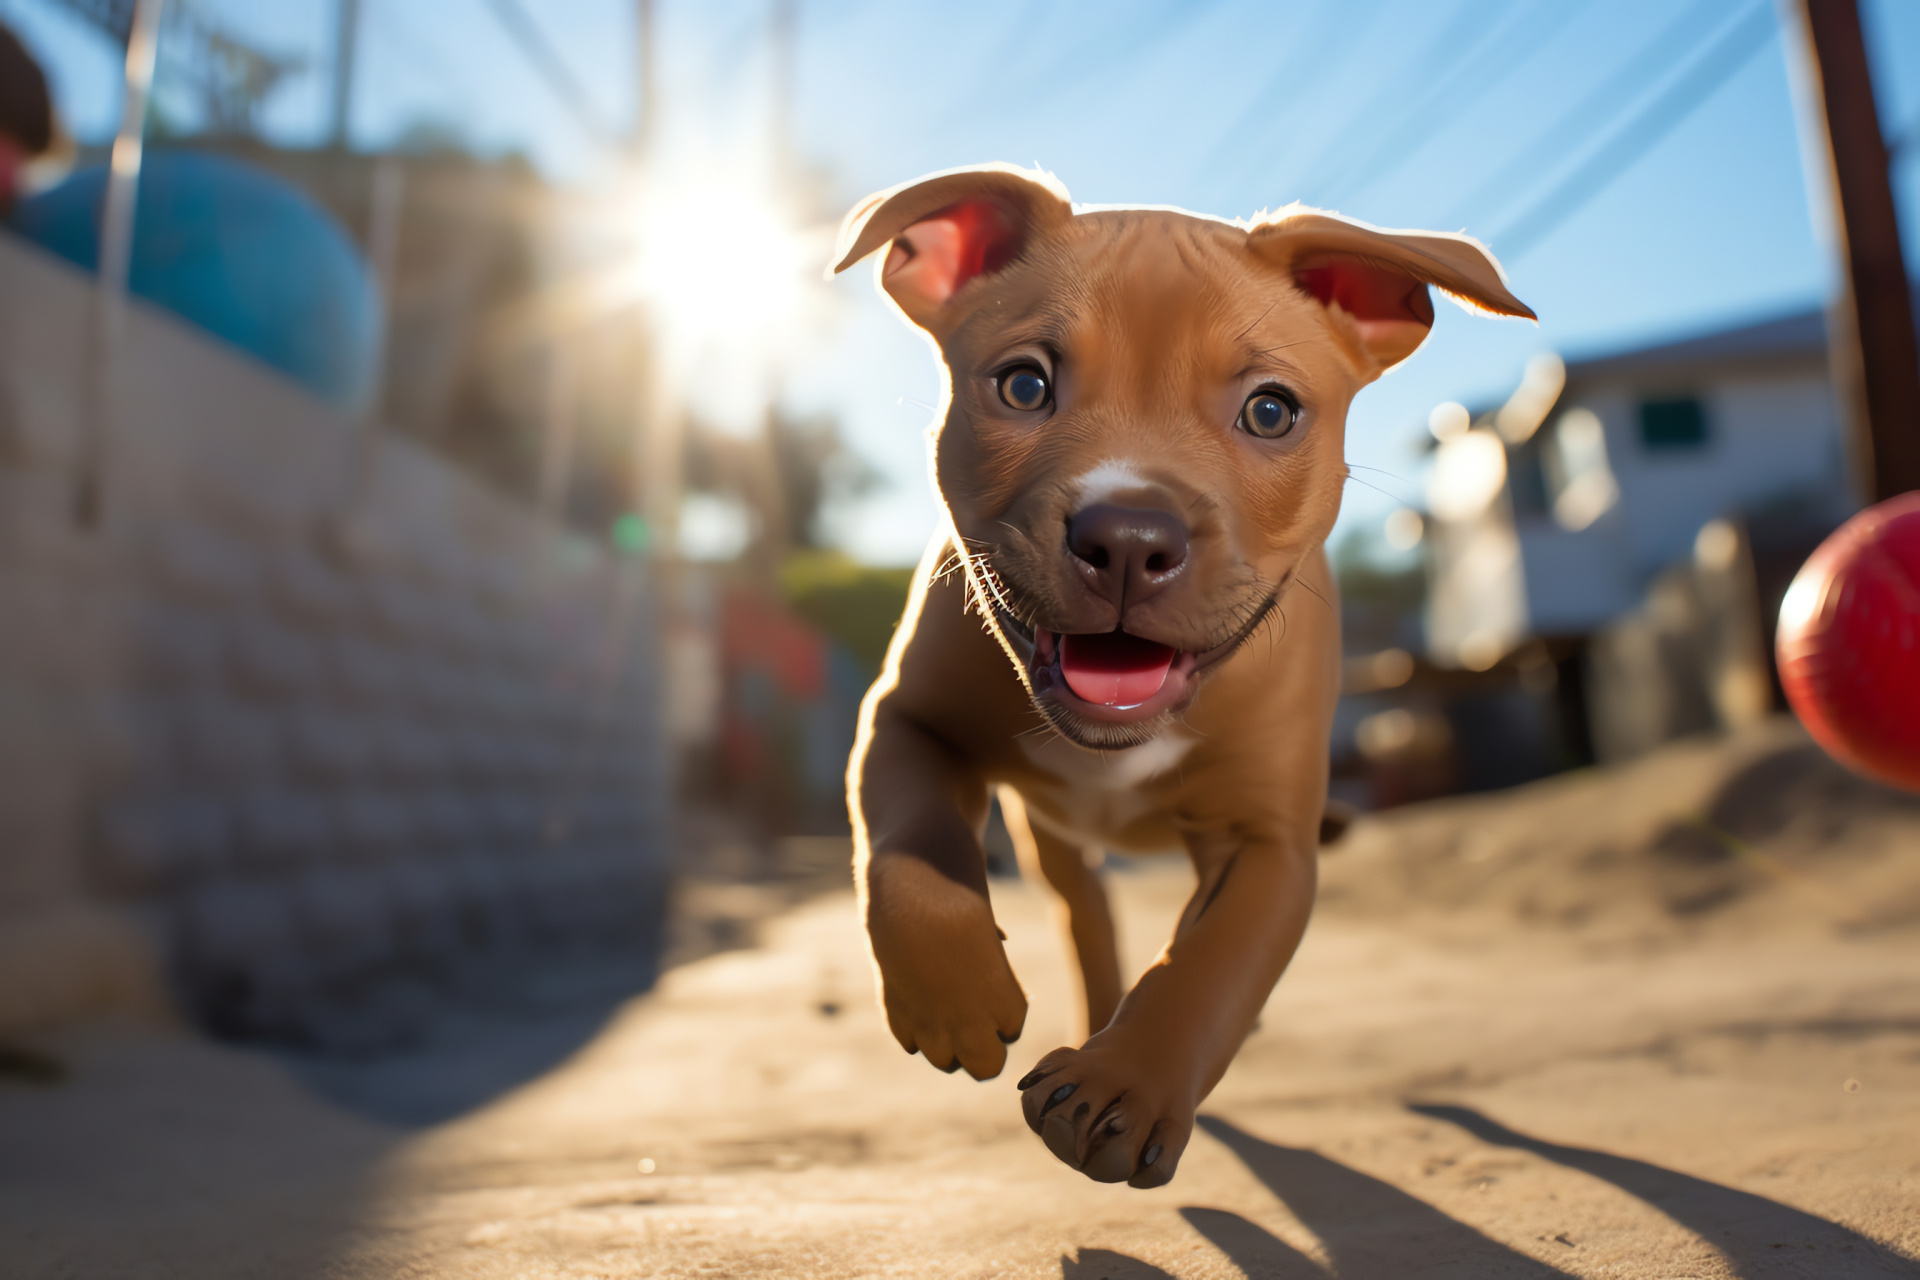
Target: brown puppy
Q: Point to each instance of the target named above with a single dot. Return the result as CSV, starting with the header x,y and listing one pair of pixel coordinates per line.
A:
x,y
1129,624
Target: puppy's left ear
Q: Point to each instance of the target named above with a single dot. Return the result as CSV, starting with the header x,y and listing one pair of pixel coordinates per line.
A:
x,y
1374,282
945,229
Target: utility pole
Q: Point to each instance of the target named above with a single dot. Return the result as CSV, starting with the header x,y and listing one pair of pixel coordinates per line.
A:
x,y
662,426
783,37
1870,332
646,99
107,311
346,41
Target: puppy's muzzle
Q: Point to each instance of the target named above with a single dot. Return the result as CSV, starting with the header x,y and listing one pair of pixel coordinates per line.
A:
x,y
1127,555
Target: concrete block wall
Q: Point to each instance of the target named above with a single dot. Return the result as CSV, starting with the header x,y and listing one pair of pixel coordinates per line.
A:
x,y
281,747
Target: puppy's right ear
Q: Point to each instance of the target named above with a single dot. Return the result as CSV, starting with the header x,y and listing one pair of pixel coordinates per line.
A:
x,y
947,228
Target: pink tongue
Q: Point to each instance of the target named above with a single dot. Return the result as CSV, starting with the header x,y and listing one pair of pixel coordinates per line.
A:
x,y
1114,670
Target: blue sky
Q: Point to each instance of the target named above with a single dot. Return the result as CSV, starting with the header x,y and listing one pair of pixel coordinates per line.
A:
x,y
1400,112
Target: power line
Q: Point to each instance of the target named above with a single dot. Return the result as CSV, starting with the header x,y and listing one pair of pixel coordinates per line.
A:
x,y
552,67
1010,48
1904,139
1337,28
1118,45
1447,97
1468,18
1565,135
1639,135
1126,44
419,53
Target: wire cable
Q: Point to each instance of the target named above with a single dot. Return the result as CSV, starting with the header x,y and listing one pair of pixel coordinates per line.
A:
x,y
416,53
1639,135
1114,44
546,60
1904,140
1576,125
1470,17
1323,48
1450,95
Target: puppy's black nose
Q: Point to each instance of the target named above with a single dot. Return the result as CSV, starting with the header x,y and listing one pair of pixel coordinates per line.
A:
x,y
1127,553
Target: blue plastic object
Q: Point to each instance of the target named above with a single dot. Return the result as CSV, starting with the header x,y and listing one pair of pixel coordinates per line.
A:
x,y
240,253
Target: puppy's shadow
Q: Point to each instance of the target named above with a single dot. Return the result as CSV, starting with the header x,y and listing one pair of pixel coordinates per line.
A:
x,y
1105,1264
1753,1232
1369,1228
1253,1248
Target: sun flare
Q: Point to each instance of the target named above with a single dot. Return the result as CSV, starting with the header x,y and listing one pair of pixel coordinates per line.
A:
x,y
729,271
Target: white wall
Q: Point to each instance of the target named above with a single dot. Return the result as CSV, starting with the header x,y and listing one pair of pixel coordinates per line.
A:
x,y
251,736
1766,438
1576,581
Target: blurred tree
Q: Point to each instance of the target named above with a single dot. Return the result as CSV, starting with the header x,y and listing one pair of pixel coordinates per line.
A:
x,y
788,475
1382,594
856,604
228,77
1365,573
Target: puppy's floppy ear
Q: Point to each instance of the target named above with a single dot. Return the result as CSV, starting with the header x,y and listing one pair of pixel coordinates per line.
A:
x,y
947,228
1378,279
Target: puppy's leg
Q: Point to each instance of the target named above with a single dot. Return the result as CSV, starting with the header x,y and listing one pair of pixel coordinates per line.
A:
x,y
945,984
1120,1108
1083,901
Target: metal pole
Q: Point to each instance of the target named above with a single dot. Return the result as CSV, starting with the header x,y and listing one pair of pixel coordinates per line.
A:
x,y
1871,341
558,416
346,43
657,443
646,98
386,203
106,316
658,454
783,37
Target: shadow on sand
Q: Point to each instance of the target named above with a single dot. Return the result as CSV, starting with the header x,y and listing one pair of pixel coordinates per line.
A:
x,y
1105,1264
1755,1234
475,1050
1368,1227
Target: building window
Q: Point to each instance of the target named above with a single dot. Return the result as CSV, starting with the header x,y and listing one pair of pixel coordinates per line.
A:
x,y
1527,477
1673,424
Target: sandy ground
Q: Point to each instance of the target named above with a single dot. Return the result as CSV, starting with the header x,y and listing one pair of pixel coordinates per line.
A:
x,y
1534,1035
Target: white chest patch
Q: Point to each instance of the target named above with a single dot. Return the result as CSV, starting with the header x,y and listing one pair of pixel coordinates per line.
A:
x,y
1099,790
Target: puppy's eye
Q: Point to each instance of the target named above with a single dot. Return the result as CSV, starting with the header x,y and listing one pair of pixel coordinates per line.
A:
x,y
1025,388
1269,413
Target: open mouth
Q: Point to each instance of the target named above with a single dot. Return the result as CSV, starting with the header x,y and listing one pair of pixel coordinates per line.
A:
x,y
1111,676
1114,689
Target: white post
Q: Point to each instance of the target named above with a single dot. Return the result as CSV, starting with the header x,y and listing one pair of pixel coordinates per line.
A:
x,y
386,202
346,41
385,205
558,414
107,315
646,98
661,441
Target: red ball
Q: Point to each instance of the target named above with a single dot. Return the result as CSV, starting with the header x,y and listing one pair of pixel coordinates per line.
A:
x,y
1849,643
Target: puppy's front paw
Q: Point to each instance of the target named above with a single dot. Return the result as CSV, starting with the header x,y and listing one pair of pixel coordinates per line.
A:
x,y
1113,1114
945,983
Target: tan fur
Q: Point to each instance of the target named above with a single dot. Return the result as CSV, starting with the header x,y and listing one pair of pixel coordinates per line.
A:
x,y
1158,323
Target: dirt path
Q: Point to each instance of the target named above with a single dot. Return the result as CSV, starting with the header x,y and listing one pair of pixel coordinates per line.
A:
x,y
1633,1085
1408,1108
